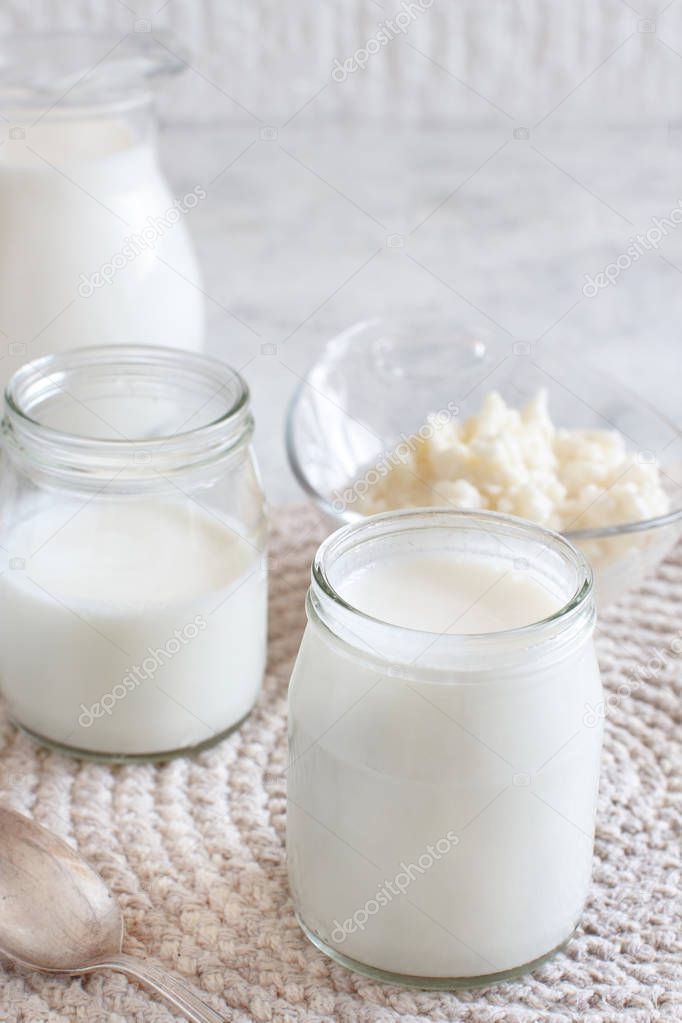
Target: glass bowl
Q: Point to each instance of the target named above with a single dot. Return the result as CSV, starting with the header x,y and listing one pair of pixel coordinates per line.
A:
x,y
375,384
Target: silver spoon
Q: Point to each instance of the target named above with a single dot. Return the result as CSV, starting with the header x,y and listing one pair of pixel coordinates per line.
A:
x,y
58,916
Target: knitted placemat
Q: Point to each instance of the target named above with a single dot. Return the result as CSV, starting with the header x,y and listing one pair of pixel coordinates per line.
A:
x,y
194,851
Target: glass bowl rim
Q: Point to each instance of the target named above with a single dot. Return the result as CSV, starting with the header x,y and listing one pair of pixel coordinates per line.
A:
x,y
574,535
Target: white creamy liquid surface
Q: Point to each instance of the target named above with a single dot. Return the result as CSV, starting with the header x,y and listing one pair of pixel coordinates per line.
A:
x,y
447,593
441,828
132,627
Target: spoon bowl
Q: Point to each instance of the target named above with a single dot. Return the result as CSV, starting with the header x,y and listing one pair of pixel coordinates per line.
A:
x,y
81,925
58,916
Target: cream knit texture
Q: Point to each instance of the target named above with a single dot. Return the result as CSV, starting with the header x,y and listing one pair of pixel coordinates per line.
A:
x,y
194,850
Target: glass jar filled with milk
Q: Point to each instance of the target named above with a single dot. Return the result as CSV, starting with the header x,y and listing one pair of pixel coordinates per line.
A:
x,y
133,596
443,767
93,243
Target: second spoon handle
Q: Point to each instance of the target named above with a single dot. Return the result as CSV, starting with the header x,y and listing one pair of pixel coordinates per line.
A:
x,y
165,984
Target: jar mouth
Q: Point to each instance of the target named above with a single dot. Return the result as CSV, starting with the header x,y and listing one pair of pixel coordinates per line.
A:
x,y
56,72
353,624
110,407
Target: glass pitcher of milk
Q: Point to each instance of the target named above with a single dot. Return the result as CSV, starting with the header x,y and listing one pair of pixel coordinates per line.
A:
x,y
93,245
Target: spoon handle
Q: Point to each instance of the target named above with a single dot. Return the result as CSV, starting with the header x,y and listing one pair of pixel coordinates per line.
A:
x,y
169,987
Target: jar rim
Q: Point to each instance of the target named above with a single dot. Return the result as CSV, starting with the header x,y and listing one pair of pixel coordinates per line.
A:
x,y
411,520
44,70
28,389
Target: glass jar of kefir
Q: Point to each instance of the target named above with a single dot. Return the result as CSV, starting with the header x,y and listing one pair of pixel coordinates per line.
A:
x,y
133,596
443,767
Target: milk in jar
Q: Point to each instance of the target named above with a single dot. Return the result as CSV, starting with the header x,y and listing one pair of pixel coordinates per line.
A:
x,y
443,773
133,591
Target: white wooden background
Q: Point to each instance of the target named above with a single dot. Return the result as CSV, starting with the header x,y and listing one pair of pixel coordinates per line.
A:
x,y
501,209
476,59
